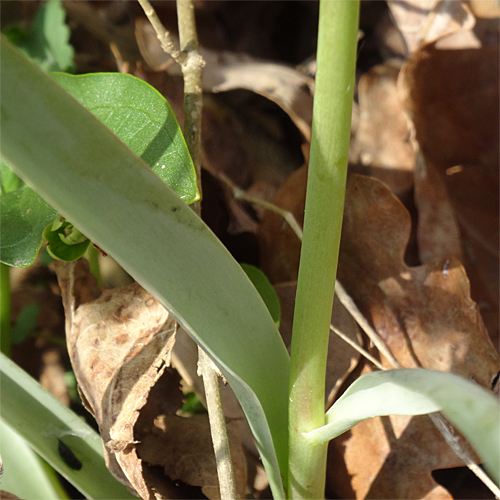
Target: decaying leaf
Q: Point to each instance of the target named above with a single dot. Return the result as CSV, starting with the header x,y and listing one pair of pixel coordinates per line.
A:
x,y
422,21
287,87
119,346
424,314
426,317
381,143
452,98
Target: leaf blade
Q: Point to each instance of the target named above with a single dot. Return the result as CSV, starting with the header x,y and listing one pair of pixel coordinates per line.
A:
x,y
95,181
471,408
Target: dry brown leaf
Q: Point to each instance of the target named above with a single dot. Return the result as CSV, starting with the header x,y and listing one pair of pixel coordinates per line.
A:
x,y
453,98
279,245
5,495
424,314
381,143
119,346
423,21
287,87
183,448
426,317
437,233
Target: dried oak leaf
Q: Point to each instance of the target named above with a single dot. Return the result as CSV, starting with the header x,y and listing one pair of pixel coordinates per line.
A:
x,y
426,317
452,97
381,143
119,345
288,88
438,234
183,448
427,20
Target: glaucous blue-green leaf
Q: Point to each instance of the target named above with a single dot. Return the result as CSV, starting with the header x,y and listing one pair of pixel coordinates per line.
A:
x,y
142,118
43,421
473,410
110,195
266,291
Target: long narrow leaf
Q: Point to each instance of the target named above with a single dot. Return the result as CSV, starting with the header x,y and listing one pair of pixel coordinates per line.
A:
x,y
44,422
42,482
473,410
97,183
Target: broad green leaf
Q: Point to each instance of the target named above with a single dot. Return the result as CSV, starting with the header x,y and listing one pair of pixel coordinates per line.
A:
x,y
43,421
46,42
98,184
266,290
142,118
23,217
41,483
9,181
473,410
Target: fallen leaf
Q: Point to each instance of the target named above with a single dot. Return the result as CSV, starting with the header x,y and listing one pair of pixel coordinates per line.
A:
x,y
287,87
438,232
425,316
452,98
423,21
381,144
119,345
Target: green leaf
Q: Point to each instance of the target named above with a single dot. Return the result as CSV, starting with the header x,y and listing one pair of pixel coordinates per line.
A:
x,y
9,181
47,40
58,244
17,457
43,421
25,324
96,182
23,217
473,410
266,291
142,118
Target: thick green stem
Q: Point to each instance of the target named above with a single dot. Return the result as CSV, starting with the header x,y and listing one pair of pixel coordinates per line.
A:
x,y
336,60
5,309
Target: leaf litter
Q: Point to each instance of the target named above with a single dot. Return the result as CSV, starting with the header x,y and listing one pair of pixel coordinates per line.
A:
x,y
419,252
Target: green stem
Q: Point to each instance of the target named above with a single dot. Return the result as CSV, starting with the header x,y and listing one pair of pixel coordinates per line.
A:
x,y
5,309
95,267
336,60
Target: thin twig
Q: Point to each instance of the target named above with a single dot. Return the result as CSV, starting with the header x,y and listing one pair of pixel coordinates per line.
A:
x,y
217,425
192,69
438,420
167,42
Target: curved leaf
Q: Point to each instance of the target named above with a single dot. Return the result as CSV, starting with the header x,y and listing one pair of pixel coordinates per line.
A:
x,y
473,410
24,215
142,118
265,289
43,421
92,179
